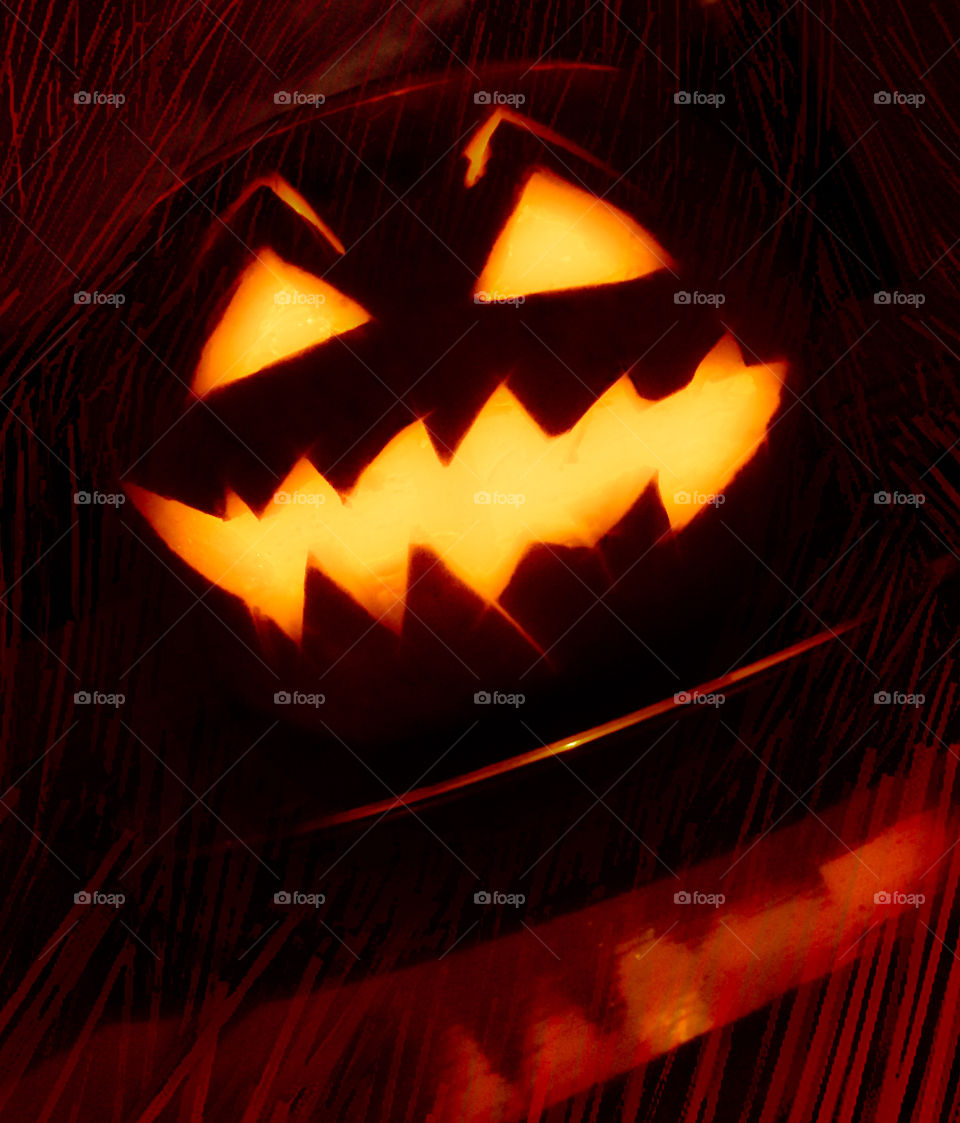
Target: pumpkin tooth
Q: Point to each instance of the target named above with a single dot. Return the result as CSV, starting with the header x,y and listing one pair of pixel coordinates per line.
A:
x,y
508,487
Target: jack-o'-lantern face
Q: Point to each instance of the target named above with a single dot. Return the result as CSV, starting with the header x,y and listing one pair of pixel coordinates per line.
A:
x,y
487,399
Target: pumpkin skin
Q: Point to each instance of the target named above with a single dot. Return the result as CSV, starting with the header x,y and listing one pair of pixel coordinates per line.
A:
x,y
430,352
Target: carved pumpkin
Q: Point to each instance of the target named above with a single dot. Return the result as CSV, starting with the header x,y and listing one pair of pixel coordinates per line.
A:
x,y
427,433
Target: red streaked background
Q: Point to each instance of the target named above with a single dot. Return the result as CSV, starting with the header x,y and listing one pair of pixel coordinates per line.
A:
x,y
208,1002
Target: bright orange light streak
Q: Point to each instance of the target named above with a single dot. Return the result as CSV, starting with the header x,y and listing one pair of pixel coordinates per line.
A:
x,y
477,150
730,680
294,200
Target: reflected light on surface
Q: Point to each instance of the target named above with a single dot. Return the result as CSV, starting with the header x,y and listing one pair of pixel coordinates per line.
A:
x,y
683,970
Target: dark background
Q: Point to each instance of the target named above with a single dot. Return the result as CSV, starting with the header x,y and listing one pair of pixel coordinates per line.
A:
x,y
124,1010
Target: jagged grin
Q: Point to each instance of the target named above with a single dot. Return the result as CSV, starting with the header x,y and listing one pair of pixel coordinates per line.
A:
x,y
507,487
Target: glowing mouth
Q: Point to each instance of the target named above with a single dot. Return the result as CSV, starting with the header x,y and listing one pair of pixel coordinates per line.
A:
x,y
508,487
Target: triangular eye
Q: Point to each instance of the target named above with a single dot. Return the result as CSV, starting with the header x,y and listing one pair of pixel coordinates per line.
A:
x,y
277,311
560,237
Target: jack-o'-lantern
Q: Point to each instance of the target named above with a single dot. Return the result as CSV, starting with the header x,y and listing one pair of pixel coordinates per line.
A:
x,y
449,424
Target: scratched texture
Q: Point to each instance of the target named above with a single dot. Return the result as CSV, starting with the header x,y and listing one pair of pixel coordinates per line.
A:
x,y
199,998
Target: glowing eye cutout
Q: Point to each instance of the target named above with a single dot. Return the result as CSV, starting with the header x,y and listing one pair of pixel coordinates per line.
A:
x,y
560,237
277,311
